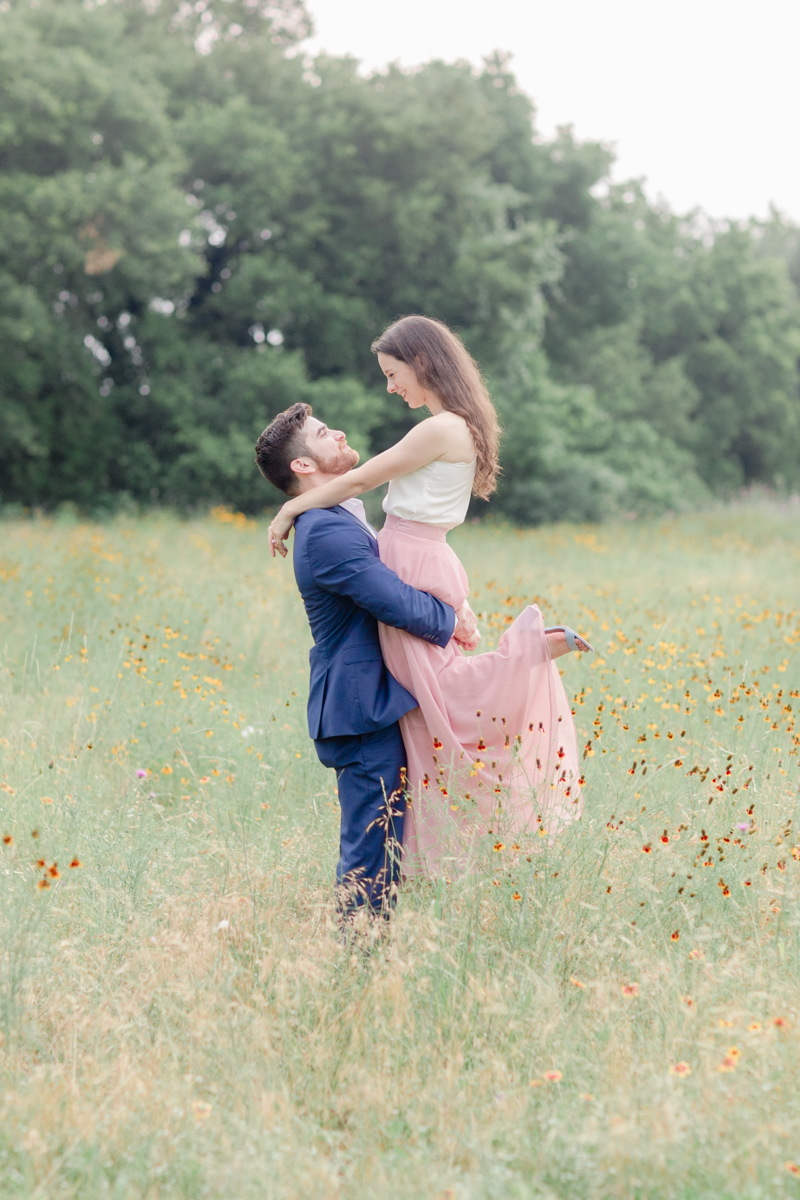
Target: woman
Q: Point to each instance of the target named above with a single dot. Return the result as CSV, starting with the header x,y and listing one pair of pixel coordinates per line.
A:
x,y
491,748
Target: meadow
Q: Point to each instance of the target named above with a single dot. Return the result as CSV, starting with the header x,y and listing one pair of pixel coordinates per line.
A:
x,y
616,1015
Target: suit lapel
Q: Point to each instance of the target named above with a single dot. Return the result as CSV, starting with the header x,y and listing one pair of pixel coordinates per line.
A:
x,y
352,517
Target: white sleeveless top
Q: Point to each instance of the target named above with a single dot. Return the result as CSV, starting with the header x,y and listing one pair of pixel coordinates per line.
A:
x,y
437,494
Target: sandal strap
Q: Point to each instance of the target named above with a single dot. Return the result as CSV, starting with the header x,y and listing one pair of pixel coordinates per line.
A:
x,y
570,636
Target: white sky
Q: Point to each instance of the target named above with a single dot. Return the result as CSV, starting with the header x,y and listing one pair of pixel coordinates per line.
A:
x,y
702,97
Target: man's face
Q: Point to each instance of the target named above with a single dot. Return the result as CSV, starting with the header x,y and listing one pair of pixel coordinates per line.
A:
x,y
328,448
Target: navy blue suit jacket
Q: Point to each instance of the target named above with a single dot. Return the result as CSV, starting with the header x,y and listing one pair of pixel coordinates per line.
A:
x,y
346,590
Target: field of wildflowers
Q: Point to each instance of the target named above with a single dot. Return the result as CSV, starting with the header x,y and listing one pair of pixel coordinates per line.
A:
x,y
616,1015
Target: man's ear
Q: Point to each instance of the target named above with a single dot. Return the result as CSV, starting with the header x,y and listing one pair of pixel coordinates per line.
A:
x,y
303,466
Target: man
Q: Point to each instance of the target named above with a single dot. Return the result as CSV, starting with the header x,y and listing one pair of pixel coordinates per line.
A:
x,y
354,704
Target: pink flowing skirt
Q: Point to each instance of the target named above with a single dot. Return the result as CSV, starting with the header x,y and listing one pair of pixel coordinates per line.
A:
x,y
491,748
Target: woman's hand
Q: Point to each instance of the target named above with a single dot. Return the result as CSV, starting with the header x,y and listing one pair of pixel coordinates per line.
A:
x,y
279,531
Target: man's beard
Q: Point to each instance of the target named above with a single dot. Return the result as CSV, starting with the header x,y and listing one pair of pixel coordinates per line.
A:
x,y
339,463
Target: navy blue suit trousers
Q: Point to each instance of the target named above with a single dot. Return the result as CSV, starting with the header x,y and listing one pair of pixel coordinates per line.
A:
x,y
369,770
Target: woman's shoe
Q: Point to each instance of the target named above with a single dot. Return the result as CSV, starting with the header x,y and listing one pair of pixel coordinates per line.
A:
x,y
571,637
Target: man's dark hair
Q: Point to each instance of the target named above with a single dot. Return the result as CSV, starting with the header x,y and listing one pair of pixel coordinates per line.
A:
x,y
281,442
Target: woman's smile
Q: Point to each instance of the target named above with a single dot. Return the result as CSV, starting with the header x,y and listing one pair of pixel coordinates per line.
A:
x,y
402,381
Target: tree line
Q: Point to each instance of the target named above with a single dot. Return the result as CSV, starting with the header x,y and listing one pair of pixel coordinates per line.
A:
x,y
200,226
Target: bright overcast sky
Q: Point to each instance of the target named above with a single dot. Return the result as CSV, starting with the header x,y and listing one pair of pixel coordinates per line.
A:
x,y
702,97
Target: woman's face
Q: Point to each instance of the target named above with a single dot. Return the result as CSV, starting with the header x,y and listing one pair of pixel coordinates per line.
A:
x,y
400,378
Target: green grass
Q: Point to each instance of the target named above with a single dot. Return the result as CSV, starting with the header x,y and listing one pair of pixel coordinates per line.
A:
x,y
178,1018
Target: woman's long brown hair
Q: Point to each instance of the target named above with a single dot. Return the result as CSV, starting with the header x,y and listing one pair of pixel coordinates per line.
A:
x,y
441,362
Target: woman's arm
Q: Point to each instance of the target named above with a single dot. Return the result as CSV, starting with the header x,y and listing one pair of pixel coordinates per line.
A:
x,y
422,445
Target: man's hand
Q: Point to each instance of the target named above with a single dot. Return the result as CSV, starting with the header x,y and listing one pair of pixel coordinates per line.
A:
x,y
466,630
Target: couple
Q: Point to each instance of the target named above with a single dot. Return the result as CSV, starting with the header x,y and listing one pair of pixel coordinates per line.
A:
x,y
433,749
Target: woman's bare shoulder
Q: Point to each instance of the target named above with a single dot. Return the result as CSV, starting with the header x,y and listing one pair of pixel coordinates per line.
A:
x,y
459,443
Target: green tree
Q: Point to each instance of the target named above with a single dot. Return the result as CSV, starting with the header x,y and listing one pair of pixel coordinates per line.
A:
x,y
688,328
88,166
201,226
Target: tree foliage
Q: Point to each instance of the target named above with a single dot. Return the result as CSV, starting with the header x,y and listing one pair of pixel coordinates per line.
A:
x,y
202,226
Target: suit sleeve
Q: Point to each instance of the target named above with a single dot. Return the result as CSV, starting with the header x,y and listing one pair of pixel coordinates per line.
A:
x,y
347,564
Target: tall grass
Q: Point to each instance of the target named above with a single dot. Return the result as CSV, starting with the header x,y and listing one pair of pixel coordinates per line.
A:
x,y
617,1017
